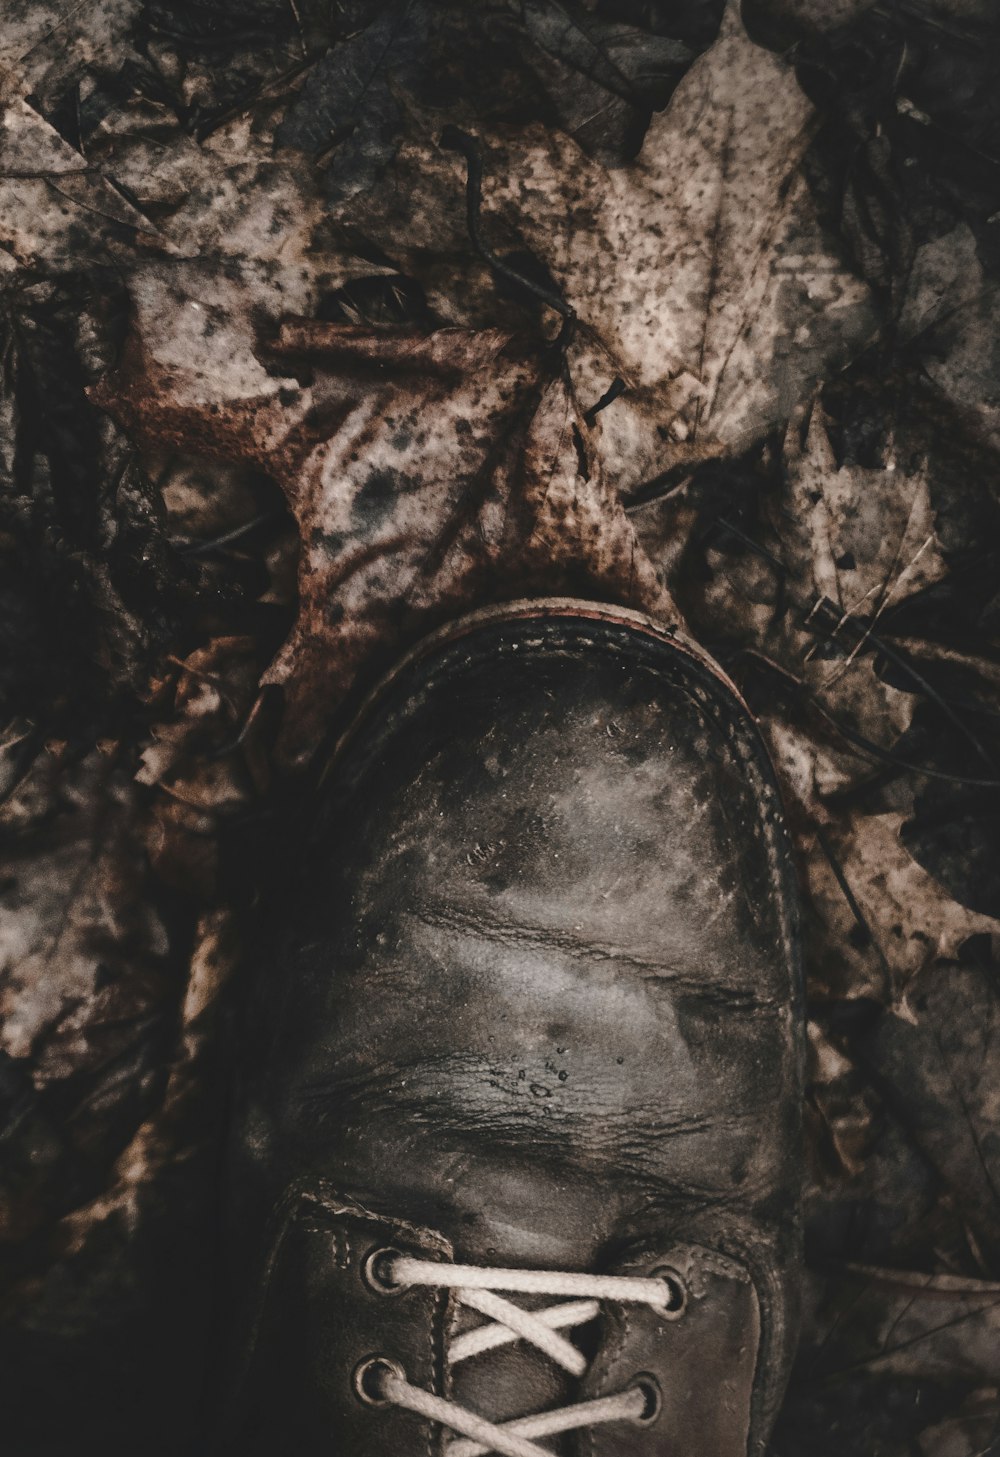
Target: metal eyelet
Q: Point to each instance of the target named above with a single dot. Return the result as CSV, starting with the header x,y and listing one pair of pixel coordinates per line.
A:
x,y
369,1376
373,1271
678,1295
653,1397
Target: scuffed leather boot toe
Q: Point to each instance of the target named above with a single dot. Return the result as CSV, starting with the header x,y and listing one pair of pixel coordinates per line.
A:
x,y
516,1166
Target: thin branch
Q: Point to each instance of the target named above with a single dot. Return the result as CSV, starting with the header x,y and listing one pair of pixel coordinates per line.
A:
x,y
455,140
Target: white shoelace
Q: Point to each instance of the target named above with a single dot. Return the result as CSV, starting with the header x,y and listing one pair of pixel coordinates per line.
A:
x,y
476,1288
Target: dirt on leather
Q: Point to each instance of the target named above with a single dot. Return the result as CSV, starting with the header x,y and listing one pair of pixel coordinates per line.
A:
x,y
714,334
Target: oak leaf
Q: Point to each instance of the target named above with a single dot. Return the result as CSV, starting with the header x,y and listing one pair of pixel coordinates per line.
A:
x,y
425,471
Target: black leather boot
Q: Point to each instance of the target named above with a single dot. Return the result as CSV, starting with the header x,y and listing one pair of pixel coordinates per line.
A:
x,y
516,1167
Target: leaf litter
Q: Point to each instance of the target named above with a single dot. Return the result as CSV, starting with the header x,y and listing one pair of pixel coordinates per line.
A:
x,y
271,411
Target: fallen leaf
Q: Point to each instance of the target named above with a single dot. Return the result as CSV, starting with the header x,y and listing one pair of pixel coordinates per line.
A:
x,y
88,986
350,105
83,951
880,919
854,543
424,471
699,272
936,1056
860,537
886,1356
901,1323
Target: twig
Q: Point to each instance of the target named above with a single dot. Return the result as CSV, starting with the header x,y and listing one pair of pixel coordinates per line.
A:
x,y
455,140
201,548
855,908
614,391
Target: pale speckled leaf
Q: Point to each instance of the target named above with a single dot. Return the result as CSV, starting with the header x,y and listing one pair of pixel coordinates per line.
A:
x,y
700,273
420,469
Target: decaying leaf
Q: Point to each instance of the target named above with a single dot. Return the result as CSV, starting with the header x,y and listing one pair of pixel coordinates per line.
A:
x,y
423,470
699,272
344,420
881,919
887,1357
851,543
935,1055
904,1323
88,982
83,946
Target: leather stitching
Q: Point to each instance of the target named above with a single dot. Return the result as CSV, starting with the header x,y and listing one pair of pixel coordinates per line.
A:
x,y
609,1355
318,1197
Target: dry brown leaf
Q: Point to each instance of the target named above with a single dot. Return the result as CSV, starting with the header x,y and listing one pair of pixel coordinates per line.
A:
x,y
425,471
935,1056
82,947
853,542
905,920
904,1323
862,538
699,272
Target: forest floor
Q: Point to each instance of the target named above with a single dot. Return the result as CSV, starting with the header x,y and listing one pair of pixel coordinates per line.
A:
x,y
713,331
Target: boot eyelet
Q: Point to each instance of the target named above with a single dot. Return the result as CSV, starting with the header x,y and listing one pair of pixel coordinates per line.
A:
x,y
369,1376
374,1272
653,1397
677,1298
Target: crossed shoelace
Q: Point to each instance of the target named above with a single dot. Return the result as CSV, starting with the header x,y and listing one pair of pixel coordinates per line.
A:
x,y
382,1381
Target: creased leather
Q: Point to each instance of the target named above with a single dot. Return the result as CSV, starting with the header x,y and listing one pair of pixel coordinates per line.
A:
x,y
537,990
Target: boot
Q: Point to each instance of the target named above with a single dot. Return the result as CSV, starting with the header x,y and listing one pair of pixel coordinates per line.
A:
x,y
516,1159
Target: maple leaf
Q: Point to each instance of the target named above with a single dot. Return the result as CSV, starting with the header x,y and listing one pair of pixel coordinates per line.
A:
x,y
880,917
853,542
668,263
699,272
